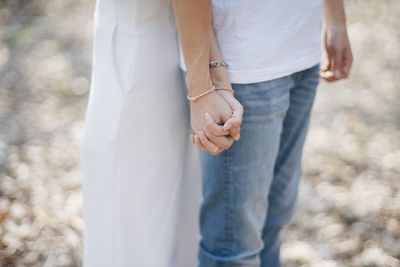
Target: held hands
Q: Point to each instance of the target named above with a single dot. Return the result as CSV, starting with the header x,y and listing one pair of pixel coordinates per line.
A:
x,y
217,116
216,120
216,108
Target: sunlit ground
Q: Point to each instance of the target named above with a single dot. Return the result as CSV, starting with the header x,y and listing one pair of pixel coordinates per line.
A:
x,y
349,207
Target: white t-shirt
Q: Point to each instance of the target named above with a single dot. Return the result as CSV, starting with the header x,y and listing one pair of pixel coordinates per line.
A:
x,y
267,39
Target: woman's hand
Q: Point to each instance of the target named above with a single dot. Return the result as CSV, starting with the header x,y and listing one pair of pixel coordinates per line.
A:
x,y
206,115
220,136
219,133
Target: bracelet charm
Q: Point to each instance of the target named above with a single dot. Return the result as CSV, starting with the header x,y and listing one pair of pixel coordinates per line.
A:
x,y
218,63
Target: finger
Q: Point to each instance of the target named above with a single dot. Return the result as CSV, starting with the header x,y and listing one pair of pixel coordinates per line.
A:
x,y
337,62
235,130
198,143
212,148
237,114
324,71
347,62
234,123
215,129
235,133
217,135
327,71
223,142
327,76
325,66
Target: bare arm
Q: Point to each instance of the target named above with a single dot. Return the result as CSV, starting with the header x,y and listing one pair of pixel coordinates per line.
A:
x,y
220,78
336,41
334,12
192,19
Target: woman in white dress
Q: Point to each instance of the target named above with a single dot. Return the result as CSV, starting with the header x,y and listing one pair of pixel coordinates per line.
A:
x,y
135,143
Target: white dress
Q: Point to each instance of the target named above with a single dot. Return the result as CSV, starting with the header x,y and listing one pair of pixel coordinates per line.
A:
x,y
140,175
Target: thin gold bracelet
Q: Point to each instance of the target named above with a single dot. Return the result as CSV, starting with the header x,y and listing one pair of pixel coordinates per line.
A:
x,y
195,98
226,89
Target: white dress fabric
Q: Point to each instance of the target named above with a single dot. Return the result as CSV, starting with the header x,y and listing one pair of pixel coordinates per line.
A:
x,y
140,175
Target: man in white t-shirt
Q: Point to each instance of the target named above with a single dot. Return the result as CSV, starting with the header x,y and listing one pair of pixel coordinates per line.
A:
x,y
268,52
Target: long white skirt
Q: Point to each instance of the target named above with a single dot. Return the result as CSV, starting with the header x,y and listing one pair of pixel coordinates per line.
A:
x,y
141,177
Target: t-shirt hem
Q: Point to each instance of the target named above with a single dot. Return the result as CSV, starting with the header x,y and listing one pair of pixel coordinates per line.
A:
x,y
244,77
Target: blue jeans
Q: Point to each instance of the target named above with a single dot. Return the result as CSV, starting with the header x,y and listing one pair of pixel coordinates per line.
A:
x,y
250,190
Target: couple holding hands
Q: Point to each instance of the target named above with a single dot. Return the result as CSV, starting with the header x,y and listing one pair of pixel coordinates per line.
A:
x,y
252,71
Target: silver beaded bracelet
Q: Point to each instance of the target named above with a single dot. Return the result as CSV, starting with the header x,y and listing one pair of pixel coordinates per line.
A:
x,y
218,63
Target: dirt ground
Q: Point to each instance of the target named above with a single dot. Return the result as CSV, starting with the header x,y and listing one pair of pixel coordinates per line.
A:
x,y
348,211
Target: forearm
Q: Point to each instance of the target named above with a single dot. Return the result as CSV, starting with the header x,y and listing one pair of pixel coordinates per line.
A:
x,y
336,42
219,75
334,13
192,19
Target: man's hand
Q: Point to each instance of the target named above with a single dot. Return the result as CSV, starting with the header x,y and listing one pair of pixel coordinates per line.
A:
x,y
336,42
338,50
206,114
234,122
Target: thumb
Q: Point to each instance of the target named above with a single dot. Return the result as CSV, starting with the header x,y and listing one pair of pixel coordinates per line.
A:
x,y
237,113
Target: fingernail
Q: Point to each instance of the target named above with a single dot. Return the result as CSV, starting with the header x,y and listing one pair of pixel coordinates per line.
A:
x,y
227,126
236,137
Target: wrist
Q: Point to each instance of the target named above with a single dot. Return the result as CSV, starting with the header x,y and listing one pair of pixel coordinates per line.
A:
x,y
335,30
197,82
215,63
220,77
204,99
194,98
335,26
334,13
226,92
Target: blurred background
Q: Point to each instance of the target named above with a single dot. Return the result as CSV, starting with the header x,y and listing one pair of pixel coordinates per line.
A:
x,y
349,206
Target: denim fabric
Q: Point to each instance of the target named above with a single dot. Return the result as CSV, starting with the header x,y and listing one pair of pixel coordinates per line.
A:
x,y
250,190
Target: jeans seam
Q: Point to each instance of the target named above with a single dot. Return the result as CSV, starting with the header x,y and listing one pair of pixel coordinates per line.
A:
x,y
228,206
